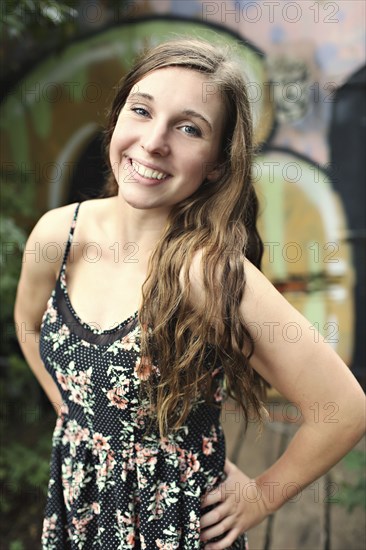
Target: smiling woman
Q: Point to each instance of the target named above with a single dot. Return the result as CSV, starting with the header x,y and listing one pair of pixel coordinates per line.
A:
x,y
138,457
161,151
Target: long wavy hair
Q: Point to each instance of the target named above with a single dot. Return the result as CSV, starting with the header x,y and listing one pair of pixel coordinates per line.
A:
x,y
218,221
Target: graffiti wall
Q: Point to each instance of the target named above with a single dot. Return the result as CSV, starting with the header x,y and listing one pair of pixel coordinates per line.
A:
x,y
304,65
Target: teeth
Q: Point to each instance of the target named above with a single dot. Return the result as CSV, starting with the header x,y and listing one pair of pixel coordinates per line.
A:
x,y
147,172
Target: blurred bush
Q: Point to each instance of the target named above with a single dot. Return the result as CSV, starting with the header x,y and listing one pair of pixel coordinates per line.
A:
x,y
353,495
26,419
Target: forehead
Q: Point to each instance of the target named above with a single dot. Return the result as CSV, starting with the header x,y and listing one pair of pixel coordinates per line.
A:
x,y
181,86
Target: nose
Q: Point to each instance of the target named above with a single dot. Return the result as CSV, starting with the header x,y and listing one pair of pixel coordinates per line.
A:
x,y
155,139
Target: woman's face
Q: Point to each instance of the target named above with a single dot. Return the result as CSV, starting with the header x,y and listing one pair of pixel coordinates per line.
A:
x,y
167,138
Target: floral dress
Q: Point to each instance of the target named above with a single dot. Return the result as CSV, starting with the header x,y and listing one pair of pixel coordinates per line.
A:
x,y
112,484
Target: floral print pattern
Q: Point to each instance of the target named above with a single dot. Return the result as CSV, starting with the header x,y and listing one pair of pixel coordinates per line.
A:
x,y
113,485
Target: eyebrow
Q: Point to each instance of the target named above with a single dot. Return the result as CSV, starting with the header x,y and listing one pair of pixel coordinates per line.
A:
x,y
187,112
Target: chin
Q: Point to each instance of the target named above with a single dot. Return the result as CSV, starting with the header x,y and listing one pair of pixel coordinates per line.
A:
x,y
140,204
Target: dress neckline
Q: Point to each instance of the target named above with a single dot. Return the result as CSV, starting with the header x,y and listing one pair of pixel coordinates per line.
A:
x,y
63,285
85,330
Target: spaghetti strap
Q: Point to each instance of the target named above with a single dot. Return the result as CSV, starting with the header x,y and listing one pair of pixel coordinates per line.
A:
x,y
69,240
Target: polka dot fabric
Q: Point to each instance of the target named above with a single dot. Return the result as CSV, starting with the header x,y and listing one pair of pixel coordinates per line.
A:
x,y
114,484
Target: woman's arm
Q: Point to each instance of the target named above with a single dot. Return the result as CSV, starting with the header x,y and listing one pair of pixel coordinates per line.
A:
x,y
309,373
37,280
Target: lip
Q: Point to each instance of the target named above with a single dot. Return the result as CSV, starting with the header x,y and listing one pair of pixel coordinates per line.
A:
x,y
148,182
149,165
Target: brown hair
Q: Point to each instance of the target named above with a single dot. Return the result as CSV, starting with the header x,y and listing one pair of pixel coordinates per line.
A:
x,y
218,219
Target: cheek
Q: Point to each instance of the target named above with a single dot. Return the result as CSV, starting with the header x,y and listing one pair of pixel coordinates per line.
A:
x,y
115,147
114,156
197,168
112,145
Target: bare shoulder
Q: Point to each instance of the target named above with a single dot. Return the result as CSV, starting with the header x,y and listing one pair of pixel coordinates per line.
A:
x,y
262,302
42,258
55,223
52,229
49,236
257,284
192,278
39,267
257,288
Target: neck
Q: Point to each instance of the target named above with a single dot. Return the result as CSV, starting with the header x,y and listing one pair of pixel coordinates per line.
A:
x,y
139,228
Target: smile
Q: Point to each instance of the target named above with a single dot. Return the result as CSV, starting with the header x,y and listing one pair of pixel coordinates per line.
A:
x,y
147,172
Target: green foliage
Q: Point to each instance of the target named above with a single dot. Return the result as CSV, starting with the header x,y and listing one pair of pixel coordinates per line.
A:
x,y
20,381
17,198
30,29
12,239
24,471
17,193
353,495
21,15
26,420
42,17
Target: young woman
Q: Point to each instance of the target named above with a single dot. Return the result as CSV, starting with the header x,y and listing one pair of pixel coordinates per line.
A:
x,y
172,249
